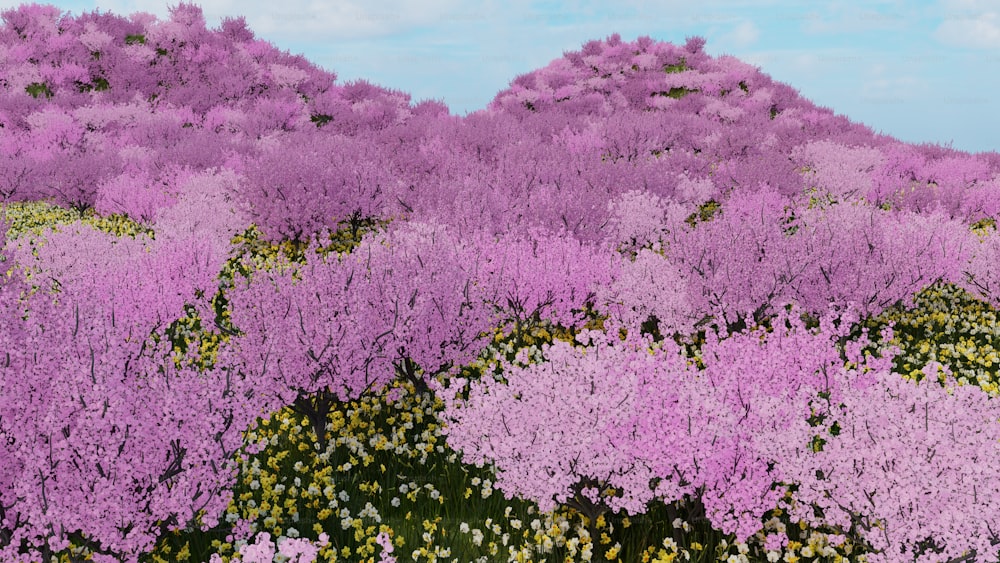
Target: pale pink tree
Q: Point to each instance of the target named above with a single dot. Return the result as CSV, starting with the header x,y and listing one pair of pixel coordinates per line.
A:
x,y
551,429
314,336
871,258
108,437
541,276
911,468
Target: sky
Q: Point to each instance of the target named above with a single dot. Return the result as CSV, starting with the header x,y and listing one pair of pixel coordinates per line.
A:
x,y
924,71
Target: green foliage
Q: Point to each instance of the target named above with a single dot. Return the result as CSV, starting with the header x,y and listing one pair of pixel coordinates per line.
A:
x,y
320,119
984,227
38,89
134,39
676,92
680,66
705,213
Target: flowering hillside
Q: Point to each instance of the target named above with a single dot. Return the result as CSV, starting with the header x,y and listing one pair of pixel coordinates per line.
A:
x,y
648,305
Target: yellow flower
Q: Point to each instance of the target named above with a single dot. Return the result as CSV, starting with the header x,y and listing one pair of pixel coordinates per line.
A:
x,y
664,557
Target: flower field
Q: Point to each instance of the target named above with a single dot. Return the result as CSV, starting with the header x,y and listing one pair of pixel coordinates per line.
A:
x,y
647,306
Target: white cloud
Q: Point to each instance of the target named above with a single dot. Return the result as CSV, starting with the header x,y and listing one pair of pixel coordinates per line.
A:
x,y
966,7
746,33
838,17
743,35
981,32
886,82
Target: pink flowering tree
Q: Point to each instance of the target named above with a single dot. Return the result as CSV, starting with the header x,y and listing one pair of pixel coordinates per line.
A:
x,y
910,467
314,335
312,181
752,389
111,442
407,302
738,265
19,172
649,289
549,429
872,259
610,414
541,276
428,280
836,171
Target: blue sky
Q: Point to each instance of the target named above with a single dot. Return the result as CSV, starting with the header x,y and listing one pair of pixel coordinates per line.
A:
x,y
920,70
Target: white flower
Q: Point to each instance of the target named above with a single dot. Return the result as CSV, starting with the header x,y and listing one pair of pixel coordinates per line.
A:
x,y
464,528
